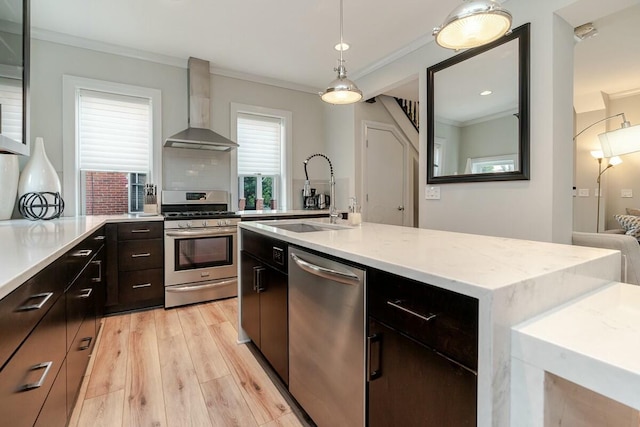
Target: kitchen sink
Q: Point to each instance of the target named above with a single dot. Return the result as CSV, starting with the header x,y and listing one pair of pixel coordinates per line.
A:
x,y
306,227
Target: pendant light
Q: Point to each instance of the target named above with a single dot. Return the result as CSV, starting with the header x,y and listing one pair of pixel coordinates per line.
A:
x,y
473,23
341,90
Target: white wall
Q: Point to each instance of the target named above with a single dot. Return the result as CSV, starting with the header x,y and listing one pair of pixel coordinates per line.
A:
x,y
538,209
341,129
183,168
490,138
450,134
50,61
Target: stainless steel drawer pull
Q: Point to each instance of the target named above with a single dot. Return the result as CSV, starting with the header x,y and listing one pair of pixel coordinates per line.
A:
x,y
87,345
99,238
141,230
144,255
142,285
30,386
97,263
83,253
86,293
396,304
45,297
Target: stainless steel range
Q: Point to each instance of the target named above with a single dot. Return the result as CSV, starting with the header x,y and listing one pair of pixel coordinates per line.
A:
x,y
200,243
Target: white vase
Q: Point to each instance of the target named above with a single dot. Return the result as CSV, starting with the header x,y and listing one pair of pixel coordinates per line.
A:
x,y
9,175
39,174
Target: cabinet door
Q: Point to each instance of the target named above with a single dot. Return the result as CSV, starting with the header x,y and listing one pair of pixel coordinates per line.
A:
x,y
98,278
80,303
54,411
78,359
274,342
28,376
249,275
415,386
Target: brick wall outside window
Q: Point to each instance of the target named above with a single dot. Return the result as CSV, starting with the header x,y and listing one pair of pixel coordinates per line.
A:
x,y
106,193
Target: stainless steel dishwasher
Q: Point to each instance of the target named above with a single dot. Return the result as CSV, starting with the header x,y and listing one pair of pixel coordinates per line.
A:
x,y
327,339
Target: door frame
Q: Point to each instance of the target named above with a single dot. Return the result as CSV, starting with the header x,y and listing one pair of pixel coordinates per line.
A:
x,y
408,219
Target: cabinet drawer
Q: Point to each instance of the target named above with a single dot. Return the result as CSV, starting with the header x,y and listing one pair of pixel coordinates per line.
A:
x,y
140,254
140,230
271,251
80,302
28,376
78,257
23,308
443,320
141,285
54,411
78,359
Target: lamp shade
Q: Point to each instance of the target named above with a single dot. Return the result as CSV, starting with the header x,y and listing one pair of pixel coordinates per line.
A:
x,y
341,91
620,141
473,23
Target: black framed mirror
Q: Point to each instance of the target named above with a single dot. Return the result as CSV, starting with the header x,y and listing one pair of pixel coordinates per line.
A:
x,y
478,113
14,76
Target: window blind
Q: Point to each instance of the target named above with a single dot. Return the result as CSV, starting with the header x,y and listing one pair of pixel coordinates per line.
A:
x,y
260,140
11,106
114,132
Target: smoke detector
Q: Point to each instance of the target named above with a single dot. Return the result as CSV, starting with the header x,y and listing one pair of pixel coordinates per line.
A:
x,y
585,31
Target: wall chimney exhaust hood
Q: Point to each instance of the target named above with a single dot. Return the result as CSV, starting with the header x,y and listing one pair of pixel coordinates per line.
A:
x,y
199,135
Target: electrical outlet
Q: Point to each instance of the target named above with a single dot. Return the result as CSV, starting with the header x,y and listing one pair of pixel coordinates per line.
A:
x,y
583,192
626,193
432,193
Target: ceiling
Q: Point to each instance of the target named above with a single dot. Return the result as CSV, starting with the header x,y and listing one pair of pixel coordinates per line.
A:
x,y
285,40
292,41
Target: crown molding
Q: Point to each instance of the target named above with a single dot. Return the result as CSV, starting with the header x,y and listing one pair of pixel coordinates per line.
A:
x,y
624,93
262,80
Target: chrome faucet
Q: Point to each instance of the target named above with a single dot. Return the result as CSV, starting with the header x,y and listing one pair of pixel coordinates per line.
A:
x,y
333,213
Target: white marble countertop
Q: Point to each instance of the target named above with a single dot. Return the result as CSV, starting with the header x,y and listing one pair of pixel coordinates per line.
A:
x,y
465,263
593,341
29,246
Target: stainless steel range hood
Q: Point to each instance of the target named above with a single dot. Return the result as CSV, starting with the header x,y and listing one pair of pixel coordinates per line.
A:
x,y
198,135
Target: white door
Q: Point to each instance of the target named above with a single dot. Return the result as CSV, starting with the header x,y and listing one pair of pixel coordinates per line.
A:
x,y
385,176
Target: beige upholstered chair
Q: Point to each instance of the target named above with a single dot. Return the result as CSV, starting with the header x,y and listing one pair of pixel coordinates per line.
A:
x,y
627,245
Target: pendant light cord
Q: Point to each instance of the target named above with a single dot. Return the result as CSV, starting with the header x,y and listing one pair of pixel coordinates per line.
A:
x,y
341,42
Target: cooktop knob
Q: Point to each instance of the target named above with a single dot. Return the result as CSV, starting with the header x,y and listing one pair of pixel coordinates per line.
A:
x,y
204,223
220,222
227,222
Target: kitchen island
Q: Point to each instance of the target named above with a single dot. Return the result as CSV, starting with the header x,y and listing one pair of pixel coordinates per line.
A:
x,y
513,280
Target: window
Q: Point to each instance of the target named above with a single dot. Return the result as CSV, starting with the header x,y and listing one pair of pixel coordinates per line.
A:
x,y
263,138
115,146
506,163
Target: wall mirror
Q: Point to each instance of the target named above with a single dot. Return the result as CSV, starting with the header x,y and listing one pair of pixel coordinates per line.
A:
x,y
14,76
478,113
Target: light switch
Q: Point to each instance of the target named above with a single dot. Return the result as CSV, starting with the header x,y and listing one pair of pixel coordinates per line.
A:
x,y
432,193
583,192
626,193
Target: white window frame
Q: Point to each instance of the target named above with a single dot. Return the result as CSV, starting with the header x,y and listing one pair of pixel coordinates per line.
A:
x,y
71,86
284,191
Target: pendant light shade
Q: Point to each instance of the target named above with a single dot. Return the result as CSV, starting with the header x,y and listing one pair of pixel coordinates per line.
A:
x,y
473,23
341,90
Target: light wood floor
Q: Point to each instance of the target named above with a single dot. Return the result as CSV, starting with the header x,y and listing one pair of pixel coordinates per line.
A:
x,y
178,367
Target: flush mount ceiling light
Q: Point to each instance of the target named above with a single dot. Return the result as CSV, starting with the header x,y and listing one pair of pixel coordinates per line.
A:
x,y
486,92
473,23
341,90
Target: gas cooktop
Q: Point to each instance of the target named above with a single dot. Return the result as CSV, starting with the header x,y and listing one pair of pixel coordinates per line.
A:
x,y
196,204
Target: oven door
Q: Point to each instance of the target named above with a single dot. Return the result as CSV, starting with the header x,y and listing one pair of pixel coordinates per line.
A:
x,y
198,255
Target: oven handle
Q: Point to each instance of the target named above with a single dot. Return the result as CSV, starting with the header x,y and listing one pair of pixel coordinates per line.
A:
x,y
189,288
213,232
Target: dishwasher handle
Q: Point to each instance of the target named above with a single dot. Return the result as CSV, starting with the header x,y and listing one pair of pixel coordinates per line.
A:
x,y
326,273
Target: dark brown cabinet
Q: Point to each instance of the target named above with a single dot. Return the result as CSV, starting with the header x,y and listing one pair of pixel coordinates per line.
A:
x,y
50,325
135,265
264,284
422,354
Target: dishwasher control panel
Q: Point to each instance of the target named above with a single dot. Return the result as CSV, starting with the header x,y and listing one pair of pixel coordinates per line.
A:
x,y
278,255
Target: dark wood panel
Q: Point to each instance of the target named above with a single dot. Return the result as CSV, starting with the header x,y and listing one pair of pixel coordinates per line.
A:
x,y
141,285
20,405
271,251
250,298
54,411
78,359
416,386
82,253
80,303
112,266
140,230
23,308
274,326
140,254
454,329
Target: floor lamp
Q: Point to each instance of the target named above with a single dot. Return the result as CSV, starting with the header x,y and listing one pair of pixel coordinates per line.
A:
x,y
612,162
614,143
